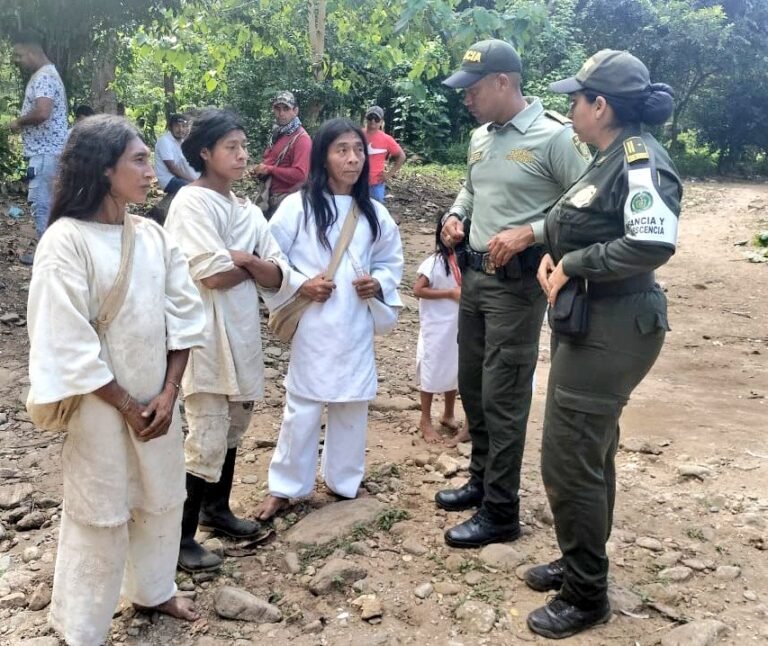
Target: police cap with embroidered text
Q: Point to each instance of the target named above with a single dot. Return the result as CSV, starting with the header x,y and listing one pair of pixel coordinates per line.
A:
x,y
483,58
608,72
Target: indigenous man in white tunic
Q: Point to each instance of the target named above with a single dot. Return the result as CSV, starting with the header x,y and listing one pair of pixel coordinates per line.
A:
x,y
122,461
332,352
230,251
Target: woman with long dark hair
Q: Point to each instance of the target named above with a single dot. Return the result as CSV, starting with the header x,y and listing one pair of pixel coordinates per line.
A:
x,y
112,314
605,237
231,254
332,356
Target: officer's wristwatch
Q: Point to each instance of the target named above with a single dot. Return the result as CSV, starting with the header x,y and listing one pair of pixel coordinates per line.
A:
x,y
462,218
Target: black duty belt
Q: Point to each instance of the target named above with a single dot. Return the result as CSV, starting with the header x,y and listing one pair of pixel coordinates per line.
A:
x,y
633,285
525,261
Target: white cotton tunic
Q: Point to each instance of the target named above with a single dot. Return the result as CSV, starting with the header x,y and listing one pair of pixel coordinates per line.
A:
x,y
207,225
107,472
437,350
332,352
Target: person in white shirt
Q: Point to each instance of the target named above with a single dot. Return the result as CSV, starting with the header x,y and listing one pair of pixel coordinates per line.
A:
x,y
43,127
122,461
332,364
171,167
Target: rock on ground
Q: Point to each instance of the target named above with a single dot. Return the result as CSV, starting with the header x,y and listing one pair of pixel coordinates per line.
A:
x,y
502,556
333,521
424,590
477,617
336,572
40,598
696,633
679,573
623,600
235,603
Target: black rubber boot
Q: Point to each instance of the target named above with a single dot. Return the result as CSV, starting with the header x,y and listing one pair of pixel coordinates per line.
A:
x,y
193,557
215,514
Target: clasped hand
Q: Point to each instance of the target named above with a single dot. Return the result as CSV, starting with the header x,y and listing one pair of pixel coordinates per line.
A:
x,y
154,419
551,277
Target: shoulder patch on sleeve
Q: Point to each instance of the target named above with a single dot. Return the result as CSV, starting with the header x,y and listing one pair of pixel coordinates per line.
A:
x,y
635,150
581,147
556,116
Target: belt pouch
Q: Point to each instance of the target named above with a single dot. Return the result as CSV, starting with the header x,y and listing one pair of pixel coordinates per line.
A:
x,y
569,314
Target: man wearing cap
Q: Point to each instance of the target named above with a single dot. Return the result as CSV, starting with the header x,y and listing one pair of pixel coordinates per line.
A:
x,y
171,167
381,148
520,161
285,165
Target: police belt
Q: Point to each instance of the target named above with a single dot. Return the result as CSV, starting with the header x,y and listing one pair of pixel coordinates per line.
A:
x,y
633,285
526,261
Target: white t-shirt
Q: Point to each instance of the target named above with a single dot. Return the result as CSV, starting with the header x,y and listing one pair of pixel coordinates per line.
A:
x,y
169,148
437,309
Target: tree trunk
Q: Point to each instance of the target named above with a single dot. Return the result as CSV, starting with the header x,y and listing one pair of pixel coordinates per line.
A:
x,y
169,87
103,97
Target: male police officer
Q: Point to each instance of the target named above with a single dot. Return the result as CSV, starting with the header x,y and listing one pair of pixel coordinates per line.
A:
x,y
520,162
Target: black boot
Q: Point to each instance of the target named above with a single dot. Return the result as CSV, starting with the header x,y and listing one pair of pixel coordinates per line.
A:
x,y
546,577
465,497
559,618
482,529
193,557
215,514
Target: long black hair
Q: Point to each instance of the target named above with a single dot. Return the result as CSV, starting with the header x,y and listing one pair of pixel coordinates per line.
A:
x,y
440,247
207,128
94,145
314,194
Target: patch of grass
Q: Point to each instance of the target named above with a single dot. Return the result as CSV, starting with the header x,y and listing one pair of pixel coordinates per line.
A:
x,y
381,471
694,533
388,518
488,592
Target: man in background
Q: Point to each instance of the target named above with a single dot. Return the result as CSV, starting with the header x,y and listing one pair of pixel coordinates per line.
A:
x,y
381,149
172,169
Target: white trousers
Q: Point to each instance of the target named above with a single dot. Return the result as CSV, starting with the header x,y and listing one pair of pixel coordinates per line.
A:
x,y
215,426
93,562
294,462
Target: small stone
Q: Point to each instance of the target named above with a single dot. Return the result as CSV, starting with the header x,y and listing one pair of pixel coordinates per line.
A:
x,y
362,586
447,465
13,600
639,445
694,471
33,520
696,633
500,555
477,617
424,590
473,577
623,600
668,559
464,449
648,543
31,553
336,573
186,585
695,564
10,317
40,598
544,515
447,589
292,563
370,606
249,480
728,572
454,563
235,603
313,627
412,546
214,545
750,596
679,573
422,459
12,496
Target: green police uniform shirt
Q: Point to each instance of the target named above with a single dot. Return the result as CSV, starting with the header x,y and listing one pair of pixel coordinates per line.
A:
x,y
620,218
517,171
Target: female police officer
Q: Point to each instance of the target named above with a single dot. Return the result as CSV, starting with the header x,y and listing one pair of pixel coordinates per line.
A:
x,y
605,237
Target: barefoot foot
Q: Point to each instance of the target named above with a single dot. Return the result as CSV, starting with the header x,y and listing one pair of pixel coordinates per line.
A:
x,y
179,607
270,506
450,423
460,437
430,435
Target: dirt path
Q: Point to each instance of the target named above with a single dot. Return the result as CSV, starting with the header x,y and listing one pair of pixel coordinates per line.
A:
x,y
684,547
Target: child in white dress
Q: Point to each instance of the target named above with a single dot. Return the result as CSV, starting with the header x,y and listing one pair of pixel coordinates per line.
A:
x,y
438,288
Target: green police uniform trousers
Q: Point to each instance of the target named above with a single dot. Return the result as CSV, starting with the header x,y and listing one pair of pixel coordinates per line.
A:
x,y
499,327
590,381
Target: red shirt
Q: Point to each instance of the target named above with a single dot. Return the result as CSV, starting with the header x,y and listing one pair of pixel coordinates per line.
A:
x,y
293,170
380,148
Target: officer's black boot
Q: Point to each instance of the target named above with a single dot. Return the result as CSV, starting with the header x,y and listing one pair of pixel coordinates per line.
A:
x,y
546,577
482,529
560,618
215,514
465,497
193,557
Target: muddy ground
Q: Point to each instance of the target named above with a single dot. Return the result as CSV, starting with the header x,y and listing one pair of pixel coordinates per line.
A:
x,y
690,535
